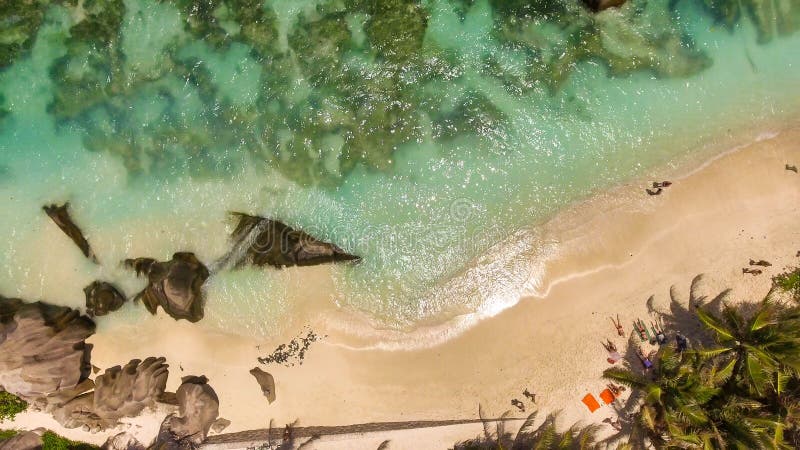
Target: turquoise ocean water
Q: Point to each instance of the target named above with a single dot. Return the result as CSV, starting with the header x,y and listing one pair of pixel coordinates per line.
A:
x,y
428,137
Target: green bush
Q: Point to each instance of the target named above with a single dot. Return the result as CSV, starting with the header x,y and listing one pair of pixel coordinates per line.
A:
x,y
52,441
789,282
10,406
7,434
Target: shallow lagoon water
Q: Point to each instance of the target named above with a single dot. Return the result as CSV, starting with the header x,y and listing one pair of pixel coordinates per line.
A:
x,y
435,169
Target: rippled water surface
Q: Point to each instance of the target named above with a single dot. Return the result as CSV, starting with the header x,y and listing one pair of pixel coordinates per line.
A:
x,y
426,137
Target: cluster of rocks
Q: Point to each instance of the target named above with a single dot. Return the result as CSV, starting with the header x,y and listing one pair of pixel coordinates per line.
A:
x,y
176,285
292,353
45,360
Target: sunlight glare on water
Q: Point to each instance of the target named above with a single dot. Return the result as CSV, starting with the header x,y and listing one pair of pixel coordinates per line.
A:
x,y
431,150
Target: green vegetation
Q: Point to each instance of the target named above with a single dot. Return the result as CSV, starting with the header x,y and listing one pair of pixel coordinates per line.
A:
x,y
52,441
6,434
789,282
545,437
10,406
741,392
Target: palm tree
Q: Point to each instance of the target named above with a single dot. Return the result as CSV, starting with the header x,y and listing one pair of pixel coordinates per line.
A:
x,y
544,437
760,350
672,398
684,405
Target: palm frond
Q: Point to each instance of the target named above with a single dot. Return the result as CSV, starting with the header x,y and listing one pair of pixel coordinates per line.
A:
x,y
715,325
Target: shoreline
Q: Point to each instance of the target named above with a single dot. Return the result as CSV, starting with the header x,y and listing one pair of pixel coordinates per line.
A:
x,y
369,334
735,205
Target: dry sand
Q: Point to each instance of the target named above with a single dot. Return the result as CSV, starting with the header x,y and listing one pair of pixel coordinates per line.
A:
x,y
615,251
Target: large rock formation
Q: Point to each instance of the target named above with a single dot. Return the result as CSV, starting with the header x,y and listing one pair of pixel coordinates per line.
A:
x,y
25,440
60,216
266,382
119,392
174,285
260,241
122,441
102,298
199,408
42,348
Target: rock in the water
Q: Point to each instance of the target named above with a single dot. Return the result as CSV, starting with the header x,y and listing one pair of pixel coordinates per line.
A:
x,y
60,216
219,425
266,381
260,241
119,392
122,441
600,5
102,298
26,440
174,285
199,408
42,348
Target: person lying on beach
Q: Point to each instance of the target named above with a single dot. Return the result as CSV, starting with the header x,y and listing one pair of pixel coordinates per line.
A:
x,y
644,359
662,184
752,271
792,168
518,404
613,354
615,389
654,192
638,325
614,423
531,396
659,336
760,262
618,326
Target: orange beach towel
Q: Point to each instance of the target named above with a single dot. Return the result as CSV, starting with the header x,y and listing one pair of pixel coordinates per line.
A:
x,y
591,402
607,396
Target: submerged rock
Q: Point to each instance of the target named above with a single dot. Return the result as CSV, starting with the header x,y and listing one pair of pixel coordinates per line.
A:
x,y
600,5
42,348
60,215
266,381
102,298
174,285
119,392
260,241
770,19
199,409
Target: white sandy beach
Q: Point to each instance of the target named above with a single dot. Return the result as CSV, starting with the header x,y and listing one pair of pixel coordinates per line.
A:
x,y
614,251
